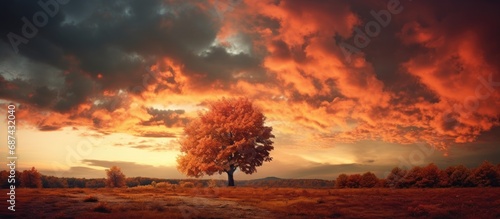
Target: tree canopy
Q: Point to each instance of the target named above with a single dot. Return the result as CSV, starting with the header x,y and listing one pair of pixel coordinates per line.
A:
x,y
115,177
231,135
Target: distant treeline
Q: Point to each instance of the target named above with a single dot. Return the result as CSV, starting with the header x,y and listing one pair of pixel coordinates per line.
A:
x,y
33,179
430,176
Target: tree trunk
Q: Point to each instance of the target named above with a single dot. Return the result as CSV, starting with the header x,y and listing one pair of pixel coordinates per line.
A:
x,y
230,179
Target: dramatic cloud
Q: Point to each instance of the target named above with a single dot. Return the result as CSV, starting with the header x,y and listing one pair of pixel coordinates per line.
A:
x,y
325,73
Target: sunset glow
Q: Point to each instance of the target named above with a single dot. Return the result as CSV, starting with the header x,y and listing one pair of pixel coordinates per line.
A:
x,y
347,87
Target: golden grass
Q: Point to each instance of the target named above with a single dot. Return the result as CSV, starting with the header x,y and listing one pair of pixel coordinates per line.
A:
x,y
180,202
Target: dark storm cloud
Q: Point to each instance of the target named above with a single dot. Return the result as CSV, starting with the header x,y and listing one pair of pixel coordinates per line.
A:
x,y
169,118
389,48
108,45
153,134
49,128
150,145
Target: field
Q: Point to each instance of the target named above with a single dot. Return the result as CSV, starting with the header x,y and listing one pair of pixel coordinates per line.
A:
x,y
245,202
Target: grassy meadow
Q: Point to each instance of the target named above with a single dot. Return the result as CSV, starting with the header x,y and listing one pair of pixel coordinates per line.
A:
x,y
249,202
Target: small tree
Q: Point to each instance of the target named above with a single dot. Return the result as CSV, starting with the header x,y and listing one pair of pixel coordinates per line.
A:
x,y
115,177
353,181
395,178
231,135
498,174
444,179
412,177
429,176
485,175
368,180
459,176
31,178
341,181
54,182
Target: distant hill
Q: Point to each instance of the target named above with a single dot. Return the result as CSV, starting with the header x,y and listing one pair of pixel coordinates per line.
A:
x,y
279,182
55,182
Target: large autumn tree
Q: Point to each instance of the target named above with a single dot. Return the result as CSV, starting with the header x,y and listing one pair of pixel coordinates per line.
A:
x,y
231,135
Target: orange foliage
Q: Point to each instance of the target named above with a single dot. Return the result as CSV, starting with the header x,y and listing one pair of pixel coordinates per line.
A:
x,y
229,136
115,177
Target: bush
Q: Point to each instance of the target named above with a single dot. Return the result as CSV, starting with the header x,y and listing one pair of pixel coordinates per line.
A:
x,y
90,199
212,183
485,175
396,178
31,178
102,207
353,181
368,180
115,177
186,184
341,181
163,185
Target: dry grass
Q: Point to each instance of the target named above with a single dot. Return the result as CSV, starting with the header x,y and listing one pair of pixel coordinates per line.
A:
x,y
180,202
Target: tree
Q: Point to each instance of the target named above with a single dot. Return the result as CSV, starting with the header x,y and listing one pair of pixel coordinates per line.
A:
x,y
341,181
31,178
95,183
132,182
444,179
115,177
231,135
459,176
4,179
353,181
54,182
498,174
485,175
395,178
412,177
368,180
429,176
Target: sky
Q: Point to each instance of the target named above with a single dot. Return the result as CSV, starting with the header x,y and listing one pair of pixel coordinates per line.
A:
x,y
348,86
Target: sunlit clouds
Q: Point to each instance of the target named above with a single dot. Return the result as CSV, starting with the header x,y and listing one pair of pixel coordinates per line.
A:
x,y
131,75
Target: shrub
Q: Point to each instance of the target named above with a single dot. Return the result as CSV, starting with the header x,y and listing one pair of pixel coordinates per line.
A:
x,y
395,178
164,185
353,181
115,177
31,178
429,177
485,175
186,184
90,199
341,181
102,207
156,207
368,180
459,176
212,183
